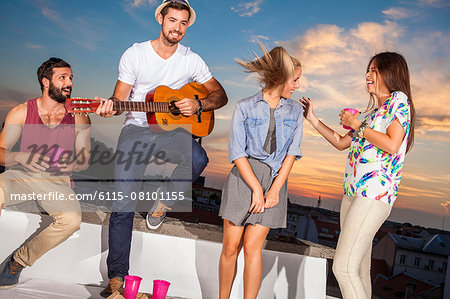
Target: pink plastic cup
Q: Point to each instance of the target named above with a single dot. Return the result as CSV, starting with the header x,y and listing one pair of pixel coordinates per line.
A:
x,y
132,286
160,288
54,158
352,111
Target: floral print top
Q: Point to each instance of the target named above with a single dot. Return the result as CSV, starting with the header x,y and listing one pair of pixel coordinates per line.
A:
x,y
370,171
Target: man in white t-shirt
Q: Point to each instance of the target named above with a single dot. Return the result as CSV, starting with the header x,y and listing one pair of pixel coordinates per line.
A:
x,y
142,68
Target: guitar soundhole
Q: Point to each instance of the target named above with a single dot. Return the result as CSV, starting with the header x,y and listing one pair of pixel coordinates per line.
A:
x,y
174,110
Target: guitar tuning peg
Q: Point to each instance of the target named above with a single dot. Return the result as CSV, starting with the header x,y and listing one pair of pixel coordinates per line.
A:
x,y
73,114
86,114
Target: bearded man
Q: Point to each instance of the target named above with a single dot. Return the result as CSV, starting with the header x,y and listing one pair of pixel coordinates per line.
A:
x,y
36,172
142,68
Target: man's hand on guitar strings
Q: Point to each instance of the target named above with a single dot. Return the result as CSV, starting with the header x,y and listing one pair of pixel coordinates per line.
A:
x,y
187,106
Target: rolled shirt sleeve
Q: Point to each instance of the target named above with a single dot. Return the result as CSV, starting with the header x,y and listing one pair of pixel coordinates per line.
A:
x,y
399,109
237,138
294,148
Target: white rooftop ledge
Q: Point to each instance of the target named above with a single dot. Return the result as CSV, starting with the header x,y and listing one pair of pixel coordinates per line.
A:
x,y
186,254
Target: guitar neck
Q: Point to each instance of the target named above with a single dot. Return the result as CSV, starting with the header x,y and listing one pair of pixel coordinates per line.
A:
x,y
162,107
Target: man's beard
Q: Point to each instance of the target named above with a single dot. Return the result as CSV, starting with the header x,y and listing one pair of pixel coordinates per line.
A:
x,y
56,94
169,41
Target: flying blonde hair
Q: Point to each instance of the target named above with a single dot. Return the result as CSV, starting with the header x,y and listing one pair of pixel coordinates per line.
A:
x,y
274,68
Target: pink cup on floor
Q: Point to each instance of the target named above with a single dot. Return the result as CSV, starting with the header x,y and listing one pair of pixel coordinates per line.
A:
x,y
352,111
131,286
160,288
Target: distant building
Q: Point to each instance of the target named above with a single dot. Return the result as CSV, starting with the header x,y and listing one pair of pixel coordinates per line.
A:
x,y
205,205
404,285
328,232
310,223
378,267
307,229
426,259
383,231
447,281
205,198
409,230
299,224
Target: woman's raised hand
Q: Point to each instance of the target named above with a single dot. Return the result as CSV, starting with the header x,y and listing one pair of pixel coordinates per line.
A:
x,y
307,108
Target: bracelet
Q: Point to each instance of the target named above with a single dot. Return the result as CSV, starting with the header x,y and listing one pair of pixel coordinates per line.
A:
x,y
362,128
199,109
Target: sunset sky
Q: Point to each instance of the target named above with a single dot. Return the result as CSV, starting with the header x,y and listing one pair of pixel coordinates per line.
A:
x,y
333,40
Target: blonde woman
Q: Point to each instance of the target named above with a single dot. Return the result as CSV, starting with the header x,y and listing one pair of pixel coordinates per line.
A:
x,y
264,142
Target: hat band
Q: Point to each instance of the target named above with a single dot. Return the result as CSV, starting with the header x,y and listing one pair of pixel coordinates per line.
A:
x,y
179,1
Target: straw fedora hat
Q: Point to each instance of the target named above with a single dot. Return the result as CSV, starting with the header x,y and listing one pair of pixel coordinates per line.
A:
x,y
185,2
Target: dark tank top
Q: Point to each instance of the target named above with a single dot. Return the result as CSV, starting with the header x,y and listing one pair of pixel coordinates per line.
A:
x,y
50,141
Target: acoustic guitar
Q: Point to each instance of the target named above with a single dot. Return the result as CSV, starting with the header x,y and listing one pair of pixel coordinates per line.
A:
x,y
160,107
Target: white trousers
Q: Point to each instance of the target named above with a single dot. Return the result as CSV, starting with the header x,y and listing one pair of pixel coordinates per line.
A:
x,y
360,218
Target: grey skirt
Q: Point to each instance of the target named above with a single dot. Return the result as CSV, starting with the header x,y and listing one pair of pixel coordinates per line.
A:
x,y
237,198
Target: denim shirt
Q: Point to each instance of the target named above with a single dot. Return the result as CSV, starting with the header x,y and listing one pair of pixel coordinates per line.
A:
x,y
250,125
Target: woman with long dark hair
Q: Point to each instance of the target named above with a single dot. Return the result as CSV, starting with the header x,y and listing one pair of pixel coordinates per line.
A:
x,y
378,146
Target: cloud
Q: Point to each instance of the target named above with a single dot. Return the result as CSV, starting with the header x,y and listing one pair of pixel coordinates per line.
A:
x,y
217,138
434,3
447,203
397,13
327,49
244,84
223,117
85,31
334,62
32,46
10,98
424,178
429,86
137,3
231,68
257,38
433,123
247,9
55,17
410,191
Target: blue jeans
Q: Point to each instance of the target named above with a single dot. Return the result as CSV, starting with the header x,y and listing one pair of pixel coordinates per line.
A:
x,y
135,143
